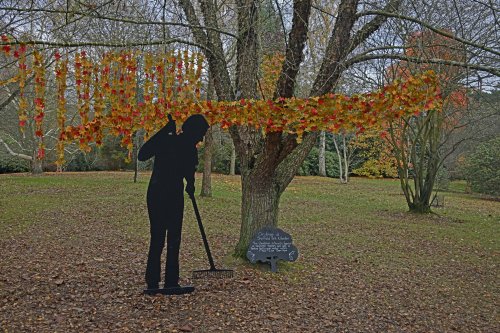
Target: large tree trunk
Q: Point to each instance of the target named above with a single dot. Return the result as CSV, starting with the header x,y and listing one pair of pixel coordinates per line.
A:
x,y
206,184
259,208
262,188
321,155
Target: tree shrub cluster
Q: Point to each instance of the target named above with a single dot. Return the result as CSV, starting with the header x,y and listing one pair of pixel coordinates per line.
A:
x,y
482,168
310,166
9,163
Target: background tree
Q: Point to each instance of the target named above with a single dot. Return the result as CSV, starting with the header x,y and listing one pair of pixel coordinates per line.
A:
x,y
378,158
481,167
417,141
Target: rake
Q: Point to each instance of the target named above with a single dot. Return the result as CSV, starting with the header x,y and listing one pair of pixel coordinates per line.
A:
x,y
212,272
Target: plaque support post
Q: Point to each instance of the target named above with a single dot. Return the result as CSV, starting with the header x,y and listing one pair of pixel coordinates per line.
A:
x,y
274,264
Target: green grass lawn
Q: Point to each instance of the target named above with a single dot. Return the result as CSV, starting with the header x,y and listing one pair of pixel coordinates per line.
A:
x,y
358,236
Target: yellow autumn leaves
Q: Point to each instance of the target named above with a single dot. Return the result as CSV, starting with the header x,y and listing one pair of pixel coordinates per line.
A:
x,y
129,92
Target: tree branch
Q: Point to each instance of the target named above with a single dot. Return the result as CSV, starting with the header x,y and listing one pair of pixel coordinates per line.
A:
x,y
116,19
213,52
107,44
13,153
357,59
373,25
294,52
428,26
196,28
330,70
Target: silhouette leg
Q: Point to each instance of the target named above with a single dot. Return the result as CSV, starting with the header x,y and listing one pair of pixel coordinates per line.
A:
x,y
172,266
173,245
155,249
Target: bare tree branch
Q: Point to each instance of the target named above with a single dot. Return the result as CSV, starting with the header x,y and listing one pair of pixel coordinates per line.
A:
x,y
213,52
357,59
373,25
294,52
428,26
13,153
116,19
107,44
336,50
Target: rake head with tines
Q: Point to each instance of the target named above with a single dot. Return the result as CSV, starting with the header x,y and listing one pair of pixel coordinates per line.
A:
x,y
212,272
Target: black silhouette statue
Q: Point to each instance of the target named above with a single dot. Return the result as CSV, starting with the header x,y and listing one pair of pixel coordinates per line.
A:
x,y
175,159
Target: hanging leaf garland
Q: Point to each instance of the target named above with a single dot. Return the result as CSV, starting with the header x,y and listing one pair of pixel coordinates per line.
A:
x,y
129,102
270,70
61,72
161,86
18,52
78,85
86,84
39,69
6,48
172,85
148,116
23,103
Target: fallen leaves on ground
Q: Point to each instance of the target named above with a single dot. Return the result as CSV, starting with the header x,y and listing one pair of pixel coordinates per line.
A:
x,y
75,271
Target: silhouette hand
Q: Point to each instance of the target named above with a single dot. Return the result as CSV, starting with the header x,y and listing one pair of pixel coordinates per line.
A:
x,y
190,190
170,126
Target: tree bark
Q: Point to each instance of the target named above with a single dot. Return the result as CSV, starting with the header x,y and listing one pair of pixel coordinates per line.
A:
x,y
206,184
36,164
262,190
321,155
259,207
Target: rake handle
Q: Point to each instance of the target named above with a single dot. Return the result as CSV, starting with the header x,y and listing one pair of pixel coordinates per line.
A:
x,y
203,235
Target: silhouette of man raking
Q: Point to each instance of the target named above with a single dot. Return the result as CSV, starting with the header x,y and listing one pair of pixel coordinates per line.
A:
x,y
176,159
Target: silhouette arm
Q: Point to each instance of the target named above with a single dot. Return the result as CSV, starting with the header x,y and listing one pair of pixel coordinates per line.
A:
x,y
189,173
150,147
189,176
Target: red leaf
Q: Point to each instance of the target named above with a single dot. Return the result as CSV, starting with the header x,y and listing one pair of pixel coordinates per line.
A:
x,y
41,153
